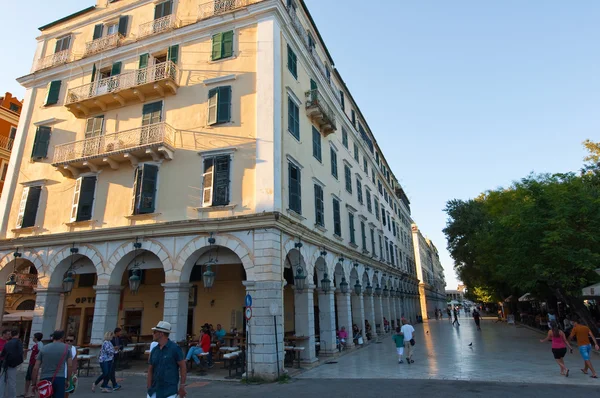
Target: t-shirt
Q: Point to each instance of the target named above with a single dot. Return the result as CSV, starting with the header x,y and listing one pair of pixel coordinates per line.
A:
x,y
73,355
205,343
35,350
13,353
399,340
342,334
220,334
582,333
50,356
165,369
407,331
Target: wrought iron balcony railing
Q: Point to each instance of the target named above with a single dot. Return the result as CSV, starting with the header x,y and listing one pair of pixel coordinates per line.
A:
x,y
320,112
219,7
157,26
122,142
154,73
6,143
102,44
58,58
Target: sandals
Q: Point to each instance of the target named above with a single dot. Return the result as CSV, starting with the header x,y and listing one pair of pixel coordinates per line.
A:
x,y
594,376
567,374
583,371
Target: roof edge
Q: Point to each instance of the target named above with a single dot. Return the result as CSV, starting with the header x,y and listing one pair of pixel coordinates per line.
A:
x,y
68,17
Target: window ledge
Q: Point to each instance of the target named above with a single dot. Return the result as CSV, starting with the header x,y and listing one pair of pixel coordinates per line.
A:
x,y
80,223
321,228
25,230
296,215
142,216
338,237
353,245
209,209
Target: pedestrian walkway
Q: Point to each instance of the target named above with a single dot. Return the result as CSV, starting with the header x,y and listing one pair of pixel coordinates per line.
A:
x,y
500,352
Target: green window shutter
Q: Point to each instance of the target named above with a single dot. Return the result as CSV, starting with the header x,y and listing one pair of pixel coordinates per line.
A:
x,y
227,44
173,54
313,85
93,72
217,46
116,69
334,169
342,100
212,105
31,207
295,193
86,199
123,22
98,31
224,104
148,189
221,183
143,61
316,137
41,143
292,62
53,92
151,113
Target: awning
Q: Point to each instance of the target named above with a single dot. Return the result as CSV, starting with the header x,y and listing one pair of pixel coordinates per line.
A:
x,y
507,300
591,291
526,297
18,316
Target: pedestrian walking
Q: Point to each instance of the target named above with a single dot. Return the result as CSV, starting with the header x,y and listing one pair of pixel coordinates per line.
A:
x,y
407,332
477,319
117,342
398,338
106,357
72,378
50,366
35,350
583,335
12,355
455,317
166,365
559,346
449,314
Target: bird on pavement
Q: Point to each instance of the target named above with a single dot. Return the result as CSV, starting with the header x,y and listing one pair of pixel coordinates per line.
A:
x,y
471,345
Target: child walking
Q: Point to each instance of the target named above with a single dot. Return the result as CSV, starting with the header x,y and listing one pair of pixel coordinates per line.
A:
x,y
399,340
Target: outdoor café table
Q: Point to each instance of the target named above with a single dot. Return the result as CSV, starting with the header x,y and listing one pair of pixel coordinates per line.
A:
x,y
233,338
81,359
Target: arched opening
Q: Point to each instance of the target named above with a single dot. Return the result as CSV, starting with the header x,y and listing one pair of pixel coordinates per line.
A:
x,y
293,260
27,305
20,298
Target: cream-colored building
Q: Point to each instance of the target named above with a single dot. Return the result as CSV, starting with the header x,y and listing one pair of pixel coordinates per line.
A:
x,y
174,136
430,273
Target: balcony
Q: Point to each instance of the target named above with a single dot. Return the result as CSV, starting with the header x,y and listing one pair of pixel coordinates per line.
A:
x,y
102,44
220,7
319,112
58,58
115,91
6,143
157,26
156,141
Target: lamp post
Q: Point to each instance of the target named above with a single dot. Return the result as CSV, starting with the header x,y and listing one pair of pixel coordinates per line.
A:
x,y
369,289
378,290
344,285
385,291
208,276
300,278
325,283
11,282
69,280
357,288
135,280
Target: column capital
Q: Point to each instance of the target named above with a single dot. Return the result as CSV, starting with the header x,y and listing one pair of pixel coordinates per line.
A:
x,y
339,293
108,288
329,293
176,286
49,290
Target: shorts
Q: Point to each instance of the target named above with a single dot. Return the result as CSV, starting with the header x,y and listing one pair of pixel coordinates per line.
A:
x,y
400,350
585,350
559,352
29,371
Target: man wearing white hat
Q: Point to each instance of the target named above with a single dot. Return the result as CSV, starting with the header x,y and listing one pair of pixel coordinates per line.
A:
x,y
166,364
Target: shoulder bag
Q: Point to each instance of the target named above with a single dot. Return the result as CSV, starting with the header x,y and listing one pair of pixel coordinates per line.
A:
x,y
44,387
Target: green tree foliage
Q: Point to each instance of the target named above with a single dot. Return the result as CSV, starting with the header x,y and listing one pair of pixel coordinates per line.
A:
x,y
540,235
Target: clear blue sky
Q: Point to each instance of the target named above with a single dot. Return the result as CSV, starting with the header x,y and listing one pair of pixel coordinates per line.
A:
x,y
463,95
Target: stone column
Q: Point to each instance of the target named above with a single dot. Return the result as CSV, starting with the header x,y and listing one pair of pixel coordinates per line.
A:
x,y
345,315
305,322
393,310
399,312
2,302
358,314
327,328
266,350
423,302
370,314
379,313
106,311
46,311
176,309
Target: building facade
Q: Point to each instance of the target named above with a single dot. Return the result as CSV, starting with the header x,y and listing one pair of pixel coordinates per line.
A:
x,y
10,110
430,272
167,140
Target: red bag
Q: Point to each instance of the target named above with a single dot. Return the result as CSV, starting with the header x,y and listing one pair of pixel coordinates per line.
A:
x,y
44,387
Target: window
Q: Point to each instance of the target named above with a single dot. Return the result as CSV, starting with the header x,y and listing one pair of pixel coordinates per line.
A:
x,y
145,185
359,191
342,101
4,171
215,181
163,9
83,199
53,93
319,208
311,41
365,165
376,208
373,241
356,156
380,187
337,223
14,107
28,207
389,224
13,132
391,253
373,175
295,192
222,45
383,215
380,248
86,280
62,44
93,127
344,137
293,119
348,178
152,113
351,225
394,227
219,105
112,29
41,143
363,236
387,250
292,62
353,118
369,206
334,168
316,141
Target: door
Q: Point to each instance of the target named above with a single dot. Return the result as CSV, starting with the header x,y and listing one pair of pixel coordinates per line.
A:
x,y
151,114
93,136
73,322
313,91
133,322
88,320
